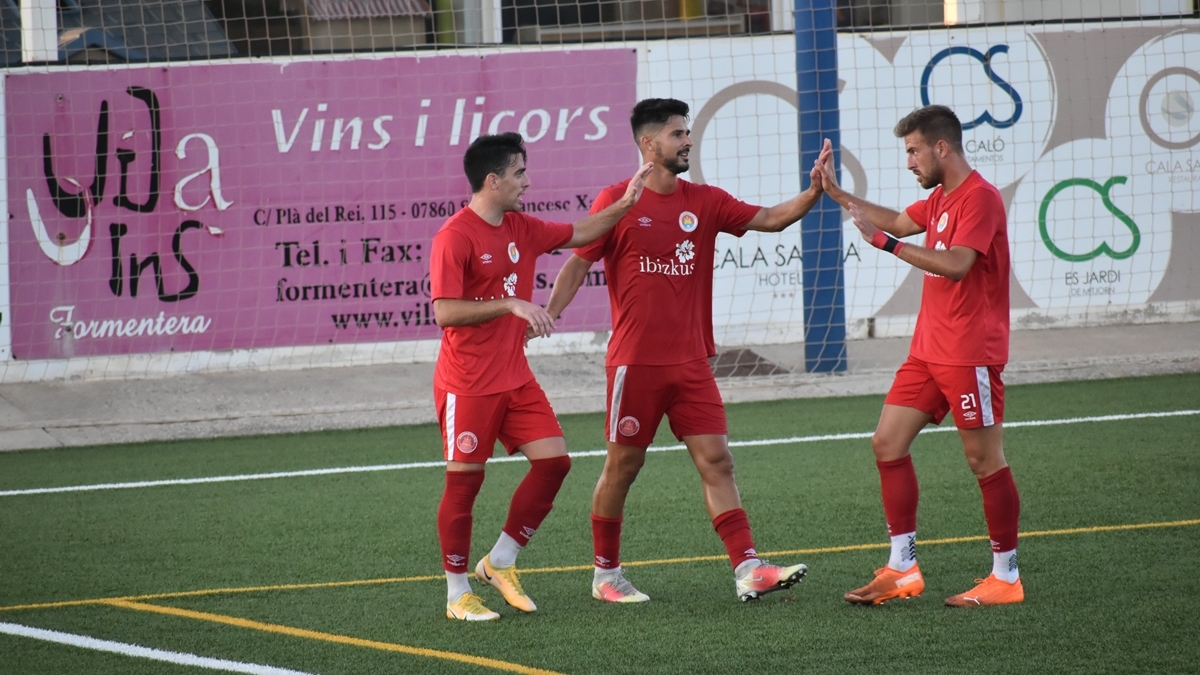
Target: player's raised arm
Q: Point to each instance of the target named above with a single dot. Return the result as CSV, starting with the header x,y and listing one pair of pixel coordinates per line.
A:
x,y
591,228
895,223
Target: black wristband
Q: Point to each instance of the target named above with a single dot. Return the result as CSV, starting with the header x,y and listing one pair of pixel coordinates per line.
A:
x,y
890,245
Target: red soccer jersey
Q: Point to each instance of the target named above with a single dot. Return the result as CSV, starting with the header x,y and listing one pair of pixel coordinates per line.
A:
x,y
659,264
473,260
965,322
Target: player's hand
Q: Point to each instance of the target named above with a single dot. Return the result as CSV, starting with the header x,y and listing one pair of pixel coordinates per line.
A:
x,y
864,225
540,322
826,155
824,166
634,191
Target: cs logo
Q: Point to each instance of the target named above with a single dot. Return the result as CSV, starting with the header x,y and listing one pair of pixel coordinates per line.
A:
x,y
986,60
1103,248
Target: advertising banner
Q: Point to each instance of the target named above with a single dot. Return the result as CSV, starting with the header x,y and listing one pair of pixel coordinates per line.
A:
x,y
1102,199
250,205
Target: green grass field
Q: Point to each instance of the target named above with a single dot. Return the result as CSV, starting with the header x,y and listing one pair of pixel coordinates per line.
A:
x,y
339,574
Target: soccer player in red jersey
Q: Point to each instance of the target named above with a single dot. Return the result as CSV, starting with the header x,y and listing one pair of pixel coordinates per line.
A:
x,y
481,273
959,348
659,264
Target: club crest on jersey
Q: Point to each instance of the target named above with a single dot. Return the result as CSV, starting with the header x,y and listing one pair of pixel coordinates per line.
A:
x,y
644,221
941,226
628,425
688,222
466,442
513,254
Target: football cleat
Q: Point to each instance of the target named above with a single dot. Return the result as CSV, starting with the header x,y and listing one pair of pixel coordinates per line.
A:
x,y
889,584
505,580
617,589
469,607
989,591
767,578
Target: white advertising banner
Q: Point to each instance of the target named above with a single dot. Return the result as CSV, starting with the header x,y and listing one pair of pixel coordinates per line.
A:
x,y
1090,219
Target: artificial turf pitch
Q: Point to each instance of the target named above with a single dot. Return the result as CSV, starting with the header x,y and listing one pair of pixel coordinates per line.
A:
x,y
339,574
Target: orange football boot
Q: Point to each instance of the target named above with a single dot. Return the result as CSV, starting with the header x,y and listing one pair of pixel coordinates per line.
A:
x,y
990,591
889,584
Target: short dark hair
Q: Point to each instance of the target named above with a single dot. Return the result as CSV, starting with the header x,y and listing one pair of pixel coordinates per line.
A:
x,y
936,123
655,112
491,154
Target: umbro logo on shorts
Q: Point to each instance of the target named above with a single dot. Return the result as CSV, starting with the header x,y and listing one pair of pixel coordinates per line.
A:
x,y
466,442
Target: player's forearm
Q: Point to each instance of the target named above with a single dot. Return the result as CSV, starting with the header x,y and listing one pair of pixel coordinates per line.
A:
x,y
449,312
567,284
777,218
953,264
594,226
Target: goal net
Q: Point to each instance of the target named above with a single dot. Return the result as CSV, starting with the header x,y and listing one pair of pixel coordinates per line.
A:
x,y
222,184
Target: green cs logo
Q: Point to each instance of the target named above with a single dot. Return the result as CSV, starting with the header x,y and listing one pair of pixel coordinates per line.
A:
x,y
1103,248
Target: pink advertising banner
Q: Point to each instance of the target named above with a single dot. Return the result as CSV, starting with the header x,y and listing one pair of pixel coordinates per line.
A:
x,y
252,205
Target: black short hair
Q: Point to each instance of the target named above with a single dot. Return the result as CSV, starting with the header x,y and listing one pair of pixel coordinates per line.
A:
x,y
655,112
491,154
936,123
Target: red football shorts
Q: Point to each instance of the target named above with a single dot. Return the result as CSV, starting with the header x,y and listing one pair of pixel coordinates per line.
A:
x,y
639,396
471,425
974,393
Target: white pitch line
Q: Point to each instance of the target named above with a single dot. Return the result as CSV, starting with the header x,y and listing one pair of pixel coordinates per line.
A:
x,y
584,453
138,651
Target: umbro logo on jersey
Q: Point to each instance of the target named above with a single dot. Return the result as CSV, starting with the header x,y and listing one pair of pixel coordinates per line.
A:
x,y
644,221
486,258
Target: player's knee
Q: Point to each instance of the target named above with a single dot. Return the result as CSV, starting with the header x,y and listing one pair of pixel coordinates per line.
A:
x,y
886,448
623,470
553,468
719,467
985,464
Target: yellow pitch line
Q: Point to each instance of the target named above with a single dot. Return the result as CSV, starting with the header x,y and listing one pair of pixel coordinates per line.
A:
x,y
331,637
226,591
581,568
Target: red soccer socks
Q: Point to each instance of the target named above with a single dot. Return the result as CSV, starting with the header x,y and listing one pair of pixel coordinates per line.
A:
x,y
454,518
733,527
606,542
535,497
1001,508
898,484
